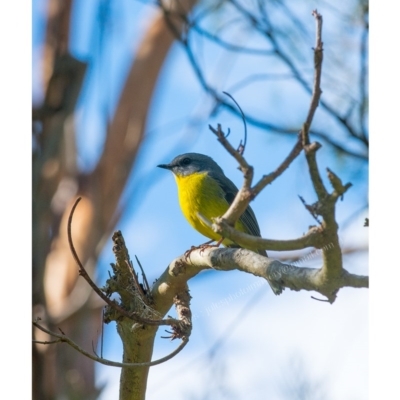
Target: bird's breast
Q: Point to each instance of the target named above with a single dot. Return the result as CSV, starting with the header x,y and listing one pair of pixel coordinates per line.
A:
x,y
201,197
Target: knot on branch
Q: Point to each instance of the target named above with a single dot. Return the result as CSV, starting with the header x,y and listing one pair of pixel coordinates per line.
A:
x,y
316,237
312,147
276,271
179,267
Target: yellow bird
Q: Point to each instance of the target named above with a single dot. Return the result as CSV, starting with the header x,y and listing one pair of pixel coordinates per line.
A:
x,y
204,190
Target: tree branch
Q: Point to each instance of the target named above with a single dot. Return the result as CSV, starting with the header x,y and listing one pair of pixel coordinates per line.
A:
x,y
293,277
313,238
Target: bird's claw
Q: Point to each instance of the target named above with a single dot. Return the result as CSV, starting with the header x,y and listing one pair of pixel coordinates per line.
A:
x,y
202,247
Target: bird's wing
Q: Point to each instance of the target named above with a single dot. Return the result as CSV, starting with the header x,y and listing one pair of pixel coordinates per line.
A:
x,y
248,218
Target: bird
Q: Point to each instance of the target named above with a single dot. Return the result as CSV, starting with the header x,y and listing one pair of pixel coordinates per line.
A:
x,y
205,192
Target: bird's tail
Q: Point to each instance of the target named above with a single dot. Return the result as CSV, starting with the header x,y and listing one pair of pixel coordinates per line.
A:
x,y
262,252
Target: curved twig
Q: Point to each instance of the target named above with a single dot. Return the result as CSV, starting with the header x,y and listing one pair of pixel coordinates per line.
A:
x,y
131,315
65,339
241,147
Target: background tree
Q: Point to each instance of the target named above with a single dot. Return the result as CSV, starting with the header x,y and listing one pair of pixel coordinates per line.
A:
x,y
278,44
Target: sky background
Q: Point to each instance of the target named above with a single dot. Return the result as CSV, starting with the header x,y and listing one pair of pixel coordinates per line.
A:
x,y
276,338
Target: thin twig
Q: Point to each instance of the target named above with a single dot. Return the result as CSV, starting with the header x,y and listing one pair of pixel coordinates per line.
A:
x,y
146,283
47,341
244,166
318,57
315,99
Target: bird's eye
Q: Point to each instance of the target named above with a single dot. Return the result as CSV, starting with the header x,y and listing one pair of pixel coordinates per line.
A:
x,y
185,161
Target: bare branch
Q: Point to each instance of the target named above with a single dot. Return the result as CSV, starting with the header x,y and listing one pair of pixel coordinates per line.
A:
x,y
318,57
315,98
286,275
313,238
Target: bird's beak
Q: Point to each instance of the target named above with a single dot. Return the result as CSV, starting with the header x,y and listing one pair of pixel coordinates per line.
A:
x,y
165,166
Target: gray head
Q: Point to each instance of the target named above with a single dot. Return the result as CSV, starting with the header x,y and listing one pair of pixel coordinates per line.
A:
x,y
190,163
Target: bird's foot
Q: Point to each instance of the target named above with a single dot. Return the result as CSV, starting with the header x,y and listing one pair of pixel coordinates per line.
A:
x,y
201,247
187,252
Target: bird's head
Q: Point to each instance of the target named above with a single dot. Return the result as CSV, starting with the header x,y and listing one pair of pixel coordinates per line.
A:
x,y
190,163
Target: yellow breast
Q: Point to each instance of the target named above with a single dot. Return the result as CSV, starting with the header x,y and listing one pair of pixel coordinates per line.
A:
x,y
200,194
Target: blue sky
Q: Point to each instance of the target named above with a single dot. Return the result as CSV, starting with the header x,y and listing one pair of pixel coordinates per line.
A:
x,y
292,325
